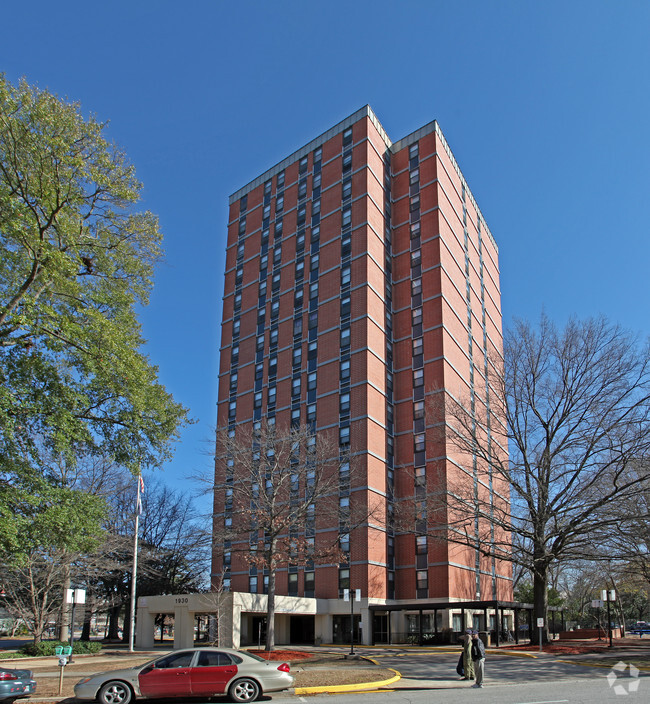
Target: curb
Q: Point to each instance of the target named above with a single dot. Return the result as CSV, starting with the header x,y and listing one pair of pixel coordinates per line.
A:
x,y
360,687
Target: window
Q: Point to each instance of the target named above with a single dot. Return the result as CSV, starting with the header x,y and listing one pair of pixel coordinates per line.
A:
x,y
311,381
345,370
416,286
422,579
252,585
419,442
344,403
208,658
413,150
267,211
415,229
418,377
345,275
414,176
316,181
346,218
416,316
415,203
313,264
279,205
418,410
421,545
293,585
313,290
417,345
344,578
345,336
297,356
310,583
344,542
416,258
295,387
347,161
280,181
258,399
344,436
347,188
302,189
271,395
176,660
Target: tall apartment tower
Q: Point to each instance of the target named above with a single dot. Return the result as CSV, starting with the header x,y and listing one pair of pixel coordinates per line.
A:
x,y
361,280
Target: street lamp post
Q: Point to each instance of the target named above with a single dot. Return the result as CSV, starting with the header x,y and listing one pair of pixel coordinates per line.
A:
x,y
609,596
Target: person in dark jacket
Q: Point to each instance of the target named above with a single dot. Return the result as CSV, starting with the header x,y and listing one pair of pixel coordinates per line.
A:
x,y
478,658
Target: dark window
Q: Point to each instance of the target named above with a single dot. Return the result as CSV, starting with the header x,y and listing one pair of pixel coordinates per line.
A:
x,y
212,659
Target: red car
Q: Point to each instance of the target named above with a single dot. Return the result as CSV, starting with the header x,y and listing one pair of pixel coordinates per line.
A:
x,y
201,672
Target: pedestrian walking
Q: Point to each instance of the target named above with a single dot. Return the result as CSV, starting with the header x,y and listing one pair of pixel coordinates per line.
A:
x,y
468,665
478,658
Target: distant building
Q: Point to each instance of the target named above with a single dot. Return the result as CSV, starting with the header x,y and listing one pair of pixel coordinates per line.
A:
x,y
361,279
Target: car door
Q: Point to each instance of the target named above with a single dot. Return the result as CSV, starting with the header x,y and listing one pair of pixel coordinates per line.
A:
x,y
168,677
211,673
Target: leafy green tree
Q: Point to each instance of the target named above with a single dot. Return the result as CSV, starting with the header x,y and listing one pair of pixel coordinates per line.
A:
x,y
76,261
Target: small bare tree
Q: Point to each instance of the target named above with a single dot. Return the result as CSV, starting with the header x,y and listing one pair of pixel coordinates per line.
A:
x,y
568,421
275,485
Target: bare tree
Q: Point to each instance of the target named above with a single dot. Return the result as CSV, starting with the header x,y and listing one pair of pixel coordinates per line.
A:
x,y
33,588
568,423
275,487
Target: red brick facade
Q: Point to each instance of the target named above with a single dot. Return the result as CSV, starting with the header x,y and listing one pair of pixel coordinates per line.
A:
x,y
394,228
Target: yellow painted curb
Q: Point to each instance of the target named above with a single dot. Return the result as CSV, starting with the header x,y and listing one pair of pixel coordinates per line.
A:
x,y
361,686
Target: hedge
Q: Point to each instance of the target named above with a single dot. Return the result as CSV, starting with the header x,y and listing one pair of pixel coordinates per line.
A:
x,y
47,647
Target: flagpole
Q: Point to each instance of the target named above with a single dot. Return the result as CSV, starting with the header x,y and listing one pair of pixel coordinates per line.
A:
x,y
138,509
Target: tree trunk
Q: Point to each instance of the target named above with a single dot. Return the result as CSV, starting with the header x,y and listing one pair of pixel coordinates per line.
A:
x,y
64,615
88,617
114,623
270,612
540,602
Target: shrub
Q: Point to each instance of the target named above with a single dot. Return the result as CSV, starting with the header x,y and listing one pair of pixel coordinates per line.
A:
x,y
47,647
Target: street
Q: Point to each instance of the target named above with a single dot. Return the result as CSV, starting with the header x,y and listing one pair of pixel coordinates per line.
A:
x,y
509,679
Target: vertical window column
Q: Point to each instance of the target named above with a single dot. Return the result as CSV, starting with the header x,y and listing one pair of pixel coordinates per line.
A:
x,y
417,332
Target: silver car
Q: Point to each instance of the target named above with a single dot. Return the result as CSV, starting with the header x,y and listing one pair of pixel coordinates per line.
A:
x,y
15,684
201,672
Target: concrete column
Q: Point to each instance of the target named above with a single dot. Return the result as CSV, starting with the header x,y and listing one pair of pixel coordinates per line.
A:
x,y
365,625
144,629
183,628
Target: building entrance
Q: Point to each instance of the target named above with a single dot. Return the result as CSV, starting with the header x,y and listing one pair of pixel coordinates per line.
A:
x,y
301,630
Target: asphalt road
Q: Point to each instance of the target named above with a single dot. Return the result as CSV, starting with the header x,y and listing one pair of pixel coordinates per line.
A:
x,y
509,679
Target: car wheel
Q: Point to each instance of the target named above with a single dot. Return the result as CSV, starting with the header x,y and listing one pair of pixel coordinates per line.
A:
x,y
244,690
115,692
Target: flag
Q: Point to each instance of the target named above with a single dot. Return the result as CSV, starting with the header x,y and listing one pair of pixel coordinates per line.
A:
x,y
140,491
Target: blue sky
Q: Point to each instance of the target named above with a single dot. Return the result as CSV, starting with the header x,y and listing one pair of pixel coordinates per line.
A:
x,y
545,105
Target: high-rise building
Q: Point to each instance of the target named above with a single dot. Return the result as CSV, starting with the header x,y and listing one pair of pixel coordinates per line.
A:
x,y
362,281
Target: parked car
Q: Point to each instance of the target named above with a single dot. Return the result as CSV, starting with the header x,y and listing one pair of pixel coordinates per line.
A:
x,y
15,684
200,672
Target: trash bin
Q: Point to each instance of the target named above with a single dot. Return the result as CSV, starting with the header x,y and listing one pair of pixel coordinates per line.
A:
x,y
318,640
485,637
